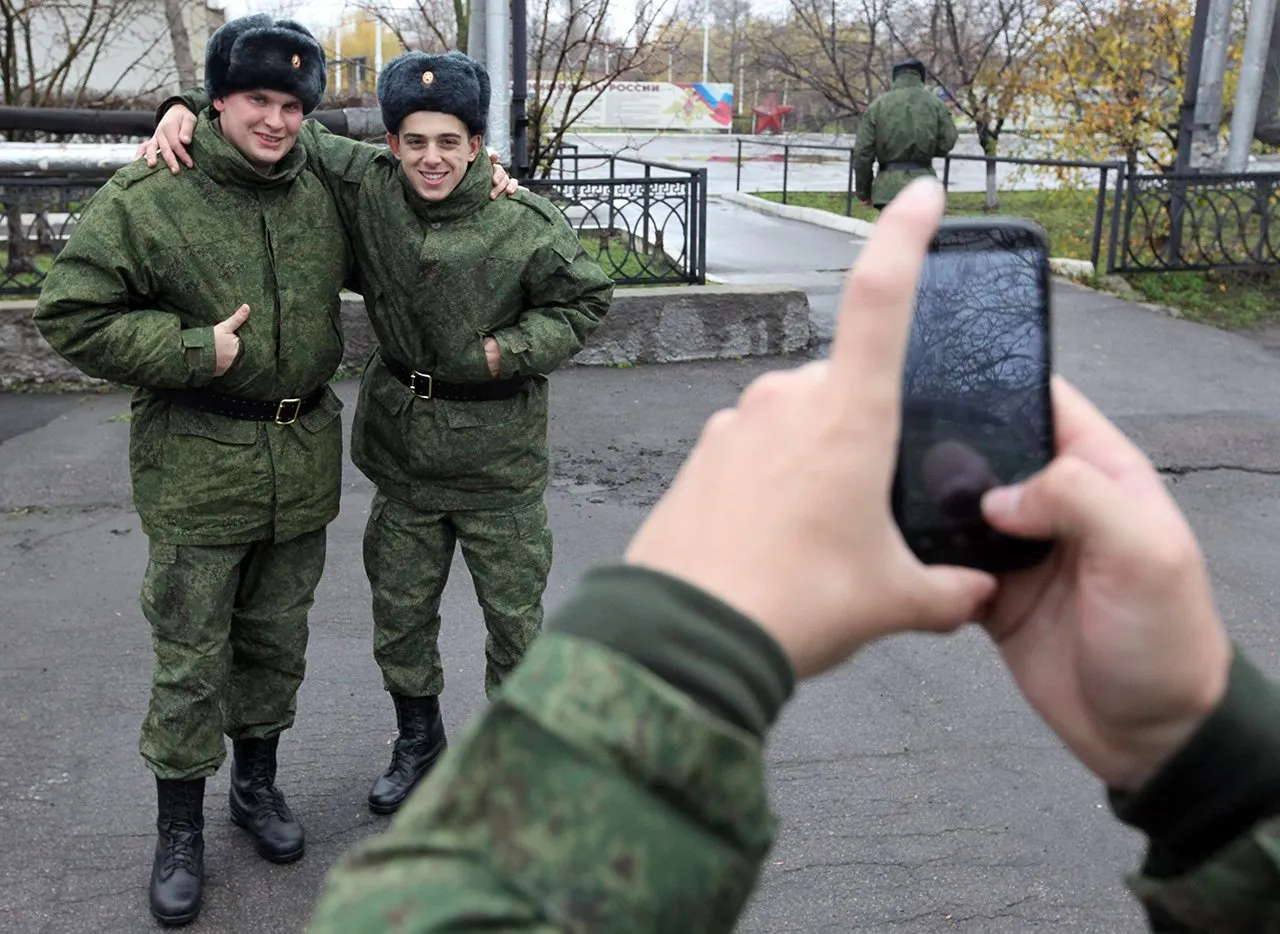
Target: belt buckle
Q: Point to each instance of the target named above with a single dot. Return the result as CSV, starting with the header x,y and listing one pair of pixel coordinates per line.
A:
x,y
280,410
414,376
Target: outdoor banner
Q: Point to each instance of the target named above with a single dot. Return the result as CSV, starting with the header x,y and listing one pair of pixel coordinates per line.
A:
x,y
650,105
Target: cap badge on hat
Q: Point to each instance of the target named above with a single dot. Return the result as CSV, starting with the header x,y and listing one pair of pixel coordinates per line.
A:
x,y
428,77
296,61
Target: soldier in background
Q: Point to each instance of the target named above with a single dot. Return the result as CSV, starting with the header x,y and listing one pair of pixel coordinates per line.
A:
x,y
902,132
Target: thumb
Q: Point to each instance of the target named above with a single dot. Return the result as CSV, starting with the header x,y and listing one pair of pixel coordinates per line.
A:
x,y
950,596
1069,500
232,324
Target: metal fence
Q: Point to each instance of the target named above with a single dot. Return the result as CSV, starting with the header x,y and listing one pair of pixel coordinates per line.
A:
x,y
1199,222
644,222
1109,174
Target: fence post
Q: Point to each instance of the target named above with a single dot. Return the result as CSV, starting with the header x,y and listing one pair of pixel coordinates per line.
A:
x,y
702,227
848,195
786,163
1115,220
737,182
1099,210
648,189
946,172
613,174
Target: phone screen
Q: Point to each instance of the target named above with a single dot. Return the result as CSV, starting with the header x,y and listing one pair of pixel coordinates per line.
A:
x,y
975,387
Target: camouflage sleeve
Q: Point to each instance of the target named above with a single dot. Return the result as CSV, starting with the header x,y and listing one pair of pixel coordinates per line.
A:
x,y
89,308
1213,818
864,154
947,132
566,295
342,164
592,796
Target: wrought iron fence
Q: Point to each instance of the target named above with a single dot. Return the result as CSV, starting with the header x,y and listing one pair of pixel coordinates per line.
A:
x,y
645,226
644,222
1109,174
39,215
1199,222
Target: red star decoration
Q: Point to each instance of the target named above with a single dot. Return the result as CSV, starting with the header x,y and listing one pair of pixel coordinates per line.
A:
x,y
771,114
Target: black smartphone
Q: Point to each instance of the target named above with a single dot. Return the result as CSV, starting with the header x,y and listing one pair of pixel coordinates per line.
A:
x,y
975,390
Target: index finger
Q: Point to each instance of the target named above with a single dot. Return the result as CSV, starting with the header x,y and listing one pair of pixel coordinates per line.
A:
x,y
875,308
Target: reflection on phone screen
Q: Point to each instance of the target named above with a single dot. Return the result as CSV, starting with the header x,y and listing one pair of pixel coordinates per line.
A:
x,y
974,384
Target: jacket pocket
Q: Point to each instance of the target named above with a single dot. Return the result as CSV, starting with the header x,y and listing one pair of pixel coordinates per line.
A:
x,y
483,414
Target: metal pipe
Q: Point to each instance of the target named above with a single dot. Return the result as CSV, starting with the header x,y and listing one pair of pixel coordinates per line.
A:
x,y
498,64
520,89
1100,209
1252,66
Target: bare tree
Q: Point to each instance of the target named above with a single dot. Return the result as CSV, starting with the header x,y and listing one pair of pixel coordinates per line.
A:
x,y
837,48
182,59
77,53
425,25
982,53
573,60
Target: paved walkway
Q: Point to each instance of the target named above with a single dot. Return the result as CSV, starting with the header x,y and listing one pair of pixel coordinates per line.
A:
x,y
917,793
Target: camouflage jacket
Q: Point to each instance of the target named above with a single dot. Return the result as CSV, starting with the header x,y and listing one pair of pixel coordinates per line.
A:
x,y
906,124
155,261
437,279
616,785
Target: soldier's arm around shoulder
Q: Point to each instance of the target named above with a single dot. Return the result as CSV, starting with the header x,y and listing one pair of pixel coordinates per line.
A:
x,y
1212,816
97,306
566,293
615,784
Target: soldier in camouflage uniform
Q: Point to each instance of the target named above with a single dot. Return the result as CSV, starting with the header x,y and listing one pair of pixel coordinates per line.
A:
x,y
473,301
616,783
902,132
215,293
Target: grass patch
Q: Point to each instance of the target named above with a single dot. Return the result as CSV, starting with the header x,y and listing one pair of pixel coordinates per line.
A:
x,y
620,261
1232,299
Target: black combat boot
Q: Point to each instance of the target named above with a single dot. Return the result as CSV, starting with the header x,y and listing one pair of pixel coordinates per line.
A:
x,y
419,745
177,876
258,805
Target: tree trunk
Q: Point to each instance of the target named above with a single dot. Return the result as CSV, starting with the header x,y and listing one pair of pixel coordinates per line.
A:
x,y
989,143
182,59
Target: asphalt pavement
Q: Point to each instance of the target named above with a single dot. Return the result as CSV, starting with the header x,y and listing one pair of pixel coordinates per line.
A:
x,y
917,793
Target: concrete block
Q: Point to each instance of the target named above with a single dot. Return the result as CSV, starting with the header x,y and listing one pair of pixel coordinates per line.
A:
x,y
708,322
645,325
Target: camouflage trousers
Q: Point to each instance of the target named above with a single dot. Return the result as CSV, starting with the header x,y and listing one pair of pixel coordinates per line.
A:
x,y
229,627
407,555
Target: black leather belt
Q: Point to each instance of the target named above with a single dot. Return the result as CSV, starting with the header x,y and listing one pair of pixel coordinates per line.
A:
x,y
905,166
280,411
426,386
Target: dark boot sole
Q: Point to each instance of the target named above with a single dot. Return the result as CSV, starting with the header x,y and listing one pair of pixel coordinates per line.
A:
x,y
174,921
270,856
384,809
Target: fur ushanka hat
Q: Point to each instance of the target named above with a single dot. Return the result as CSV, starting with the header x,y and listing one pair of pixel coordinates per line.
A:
x,y
261,52
451,83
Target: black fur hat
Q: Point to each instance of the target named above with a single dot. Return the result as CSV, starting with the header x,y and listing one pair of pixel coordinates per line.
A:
x,y
911,64
259,51
451,83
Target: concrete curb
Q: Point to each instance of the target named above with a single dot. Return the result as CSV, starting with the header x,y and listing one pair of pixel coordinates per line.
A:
x,y
819,218
644,325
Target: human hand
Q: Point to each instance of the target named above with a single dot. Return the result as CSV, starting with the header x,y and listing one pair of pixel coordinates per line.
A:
x,y
172,136
493,356
503,184
783,509
1114,640
226,343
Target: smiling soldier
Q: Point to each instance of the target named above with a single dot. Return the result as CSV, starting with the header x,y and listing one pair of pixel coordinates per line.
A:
x,y
215,293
